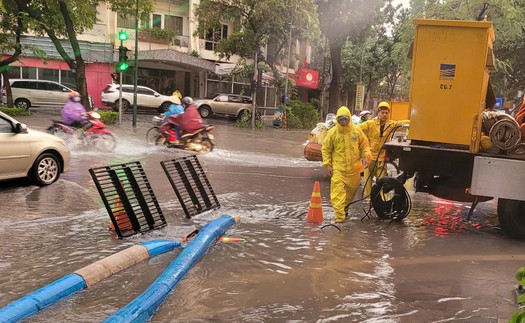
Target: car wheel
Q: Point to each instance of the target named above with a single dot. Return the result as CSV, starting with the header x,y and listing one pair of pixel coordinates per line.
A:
x,y
205,111
46,169
244,115
22,104
164,107
125,105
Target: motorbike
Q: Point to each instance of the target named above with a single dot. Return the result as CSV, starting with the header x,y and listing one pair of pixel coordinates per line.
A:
x,y
96,136
200,140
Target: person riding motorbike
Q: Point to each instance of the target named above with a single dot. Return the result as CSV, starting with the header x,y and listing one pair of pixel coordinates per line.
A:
x,y
190,121
171,127
73,112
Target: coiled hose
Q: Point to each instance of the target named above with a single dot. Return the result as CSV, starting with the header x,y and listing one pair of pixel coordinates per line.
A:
x,y
505,133
395,208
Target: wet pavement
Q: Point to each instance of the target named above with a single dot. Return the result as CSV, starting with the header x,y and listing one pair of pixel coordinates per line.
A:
x,y
432,267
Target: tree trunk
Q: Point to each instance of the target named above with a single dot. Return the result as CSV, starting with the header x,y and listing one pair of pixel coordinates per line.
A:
x,y
335,85
77,66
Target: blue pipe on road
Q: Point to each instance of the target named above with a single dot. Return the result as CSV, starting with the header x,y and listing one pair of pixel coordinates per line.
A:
x,y
145,305
68,285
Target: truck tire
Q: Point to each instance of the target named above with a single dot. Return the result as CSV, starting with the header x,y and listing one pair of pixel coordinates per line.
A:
x,y
511,216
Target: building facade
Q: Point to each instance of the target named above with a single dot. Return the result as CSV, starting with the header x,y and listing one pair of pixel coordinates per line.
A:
x,y
185,61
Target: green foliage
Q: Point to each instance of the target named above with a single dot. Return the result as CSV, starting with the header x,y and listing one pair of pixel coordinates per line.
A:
x,y
246,122
16,112
160,33
108,117
518,317
300,115
194,53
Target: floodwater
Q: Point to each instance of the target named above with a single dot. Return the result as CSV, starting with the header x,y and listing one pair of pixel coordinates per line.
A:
x,y
432,267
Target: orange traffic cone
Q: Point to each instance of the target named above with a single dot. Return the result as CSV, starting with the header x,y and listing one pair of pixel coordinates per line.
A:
x,y
315,210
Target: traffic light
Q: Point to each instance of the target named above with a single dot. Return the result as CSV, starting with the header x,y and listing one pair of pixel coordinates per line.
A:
x,y
122,36
122,58
115,77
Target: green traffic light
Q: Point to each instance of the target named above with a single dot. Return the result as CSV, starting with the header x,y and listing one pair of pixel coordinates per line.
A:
x,y
122,66
122,35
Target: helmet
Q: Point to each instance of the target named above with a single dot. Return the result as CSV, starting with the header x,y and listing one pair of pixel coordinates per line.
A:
x,y
383,106
73,94
364,113
187,100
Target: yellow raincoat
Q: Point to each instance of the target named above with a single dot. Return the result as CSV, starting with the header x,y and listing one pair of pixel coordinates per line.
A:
x,y
343,149
372,130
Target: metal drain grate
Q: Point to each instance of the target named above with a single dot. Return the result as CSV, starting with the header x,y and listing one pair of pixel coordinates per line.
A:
x,y
128,197
191,185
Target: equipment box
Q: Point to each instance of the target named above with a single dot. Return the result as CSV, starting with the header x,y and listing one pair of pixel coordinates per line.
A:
x,y
451,61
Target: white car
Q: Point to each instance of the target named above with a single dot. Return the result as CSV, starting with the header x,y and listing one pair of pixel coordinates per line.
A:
x,y
30,153
146,97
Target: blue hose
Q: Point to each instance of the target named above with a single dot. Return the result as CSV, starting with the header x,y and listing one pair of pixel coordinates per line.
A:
x,y
65,286
145,305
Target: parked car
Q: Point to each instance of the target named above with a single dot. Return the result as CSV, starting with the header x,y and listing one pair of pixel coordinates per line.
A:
x,y
30,153
29,93
146,97
232,105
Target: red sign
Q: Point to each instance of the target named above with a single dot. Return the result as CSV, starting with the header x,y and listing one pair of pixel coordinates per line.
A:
x,y
306,78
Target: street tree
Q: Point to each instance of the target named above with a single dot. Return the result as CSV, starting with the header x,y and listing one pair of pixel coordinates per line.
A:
x,y
380,58
340,21
256,24
60,19
13,24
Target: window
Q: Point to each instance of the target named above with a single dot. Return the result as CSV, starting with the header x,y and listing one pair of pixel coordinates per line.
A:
x,y
5,126
234,98
54,87
222,98
213,36
156,21
128,22
173,23
48,74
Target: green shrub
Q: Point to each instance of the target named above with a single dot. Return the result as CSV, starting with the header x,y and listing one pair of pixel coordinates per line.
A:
x,y
108,117
246,121
16,112
519,317
300,115
160,33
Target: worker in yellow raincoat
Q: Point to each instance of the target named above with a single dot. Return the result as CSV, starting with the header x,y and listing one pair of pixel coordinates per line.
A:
x,y
378,130
345,150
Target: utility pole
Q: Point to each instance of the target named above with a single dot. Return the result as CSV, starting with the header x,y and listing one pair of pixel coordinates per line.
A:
x,y
255,81
285,98
136,67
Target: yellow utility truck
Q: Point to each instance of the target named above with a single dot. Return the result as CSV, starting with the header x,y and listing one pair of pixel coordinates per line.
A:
x,y
450,93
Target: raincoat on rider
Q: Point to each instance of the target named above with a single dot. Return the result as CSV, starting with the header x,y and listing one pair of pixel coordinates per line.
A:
x,y
343,149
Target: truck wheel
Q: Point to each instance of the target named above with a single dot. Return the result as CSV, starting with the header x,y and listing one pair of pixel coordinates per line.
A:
x,y
511,216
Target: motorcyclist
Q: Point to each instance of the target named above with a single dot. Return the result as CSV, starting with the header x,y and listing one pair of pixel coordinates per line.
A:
x,y
190,121
171,127
73,112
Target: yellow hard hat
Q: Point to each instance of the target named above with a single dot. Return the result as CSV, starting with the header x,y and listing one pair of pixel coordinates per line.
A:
x,y
383,105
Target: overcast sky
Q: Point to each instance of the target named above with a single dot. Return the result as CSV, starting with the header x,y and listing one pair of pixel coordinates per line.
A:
x,y
405,3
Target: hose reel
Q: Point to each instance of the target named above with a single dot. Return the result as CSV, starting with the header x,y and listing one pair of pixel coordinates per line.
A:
x,y
390,199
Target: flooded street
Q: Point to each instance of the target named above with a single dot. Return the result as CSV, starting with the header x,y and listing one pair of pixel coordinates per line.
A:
x,y
429,268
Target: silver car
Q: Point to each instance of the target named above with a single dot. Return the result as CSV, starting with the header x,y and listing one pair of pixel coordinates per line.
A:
x,y
30,153
232,105
29,93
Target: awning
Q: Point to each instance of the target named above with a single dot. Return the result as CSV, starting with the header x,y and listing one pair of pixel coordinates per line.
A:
x,y
163,58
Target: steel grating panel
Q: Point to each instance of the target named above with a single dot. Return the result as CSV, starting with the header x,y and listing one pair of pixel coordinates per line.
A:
x,y
128,198
191,185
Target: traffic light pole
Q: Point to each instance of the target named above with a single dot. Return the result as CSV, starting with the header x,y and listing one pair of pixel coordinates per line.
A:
x,y
135,67
120,100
